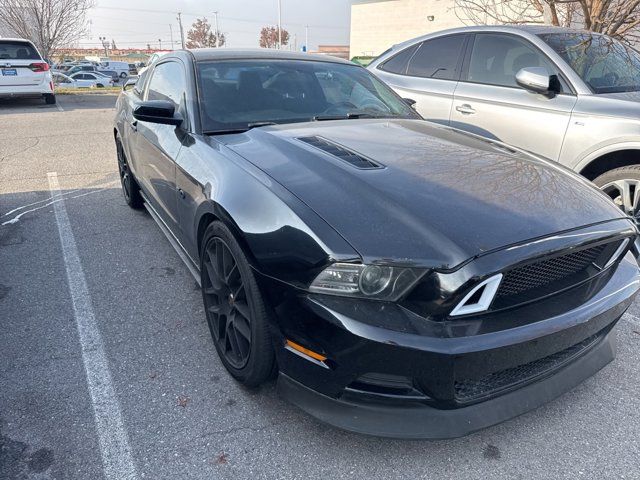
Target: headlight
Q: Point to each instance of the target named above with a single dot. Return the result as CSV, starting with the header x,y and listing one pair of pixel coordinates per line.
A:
x,y
379,282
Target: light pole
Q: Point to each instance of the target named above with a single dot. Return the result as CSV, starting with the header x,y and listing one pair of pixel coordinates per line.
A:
x,y
171,33
279,25
160,42
306,38
105,45
181,29
215,15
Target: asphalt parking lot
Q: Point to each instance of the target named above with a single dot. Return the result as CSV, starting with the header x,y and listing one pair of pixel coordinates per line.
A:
x,y
181,414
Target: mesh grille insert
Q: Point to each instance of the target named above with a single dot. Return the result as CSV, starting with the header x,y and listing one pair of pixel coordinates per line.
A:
x,y
542,273
340,152
467,390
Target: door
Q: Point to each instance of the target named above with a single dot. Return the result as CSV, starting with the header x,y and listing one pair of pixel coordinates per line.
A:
x,y
489,102
427,72
157,146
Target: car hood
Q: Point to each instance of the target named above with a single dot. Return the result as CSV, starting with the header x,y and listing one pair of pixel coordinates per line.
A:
x,y
441,197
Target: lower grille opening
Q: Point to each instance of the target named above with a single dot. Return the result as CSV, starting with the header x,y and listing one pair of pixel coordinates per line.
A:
x,y
473,390
385,385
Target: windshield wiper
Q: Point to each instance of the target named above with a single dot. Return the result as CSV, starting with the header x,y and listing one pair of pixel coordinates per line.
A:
x,y
347,116
240,129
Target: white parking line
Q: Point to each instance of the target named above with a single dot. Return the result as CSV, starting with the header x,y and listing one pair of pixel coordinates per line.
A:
x,y
117,462
60,109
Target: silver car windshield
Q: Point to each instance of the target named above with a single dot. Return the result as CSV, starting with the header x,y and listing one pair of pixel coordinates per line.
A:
x,y
605,64
239,94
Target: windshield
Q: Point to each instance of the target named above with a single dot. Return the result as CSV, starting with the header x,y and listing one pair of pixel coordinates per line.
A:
x,y
604,64
237,94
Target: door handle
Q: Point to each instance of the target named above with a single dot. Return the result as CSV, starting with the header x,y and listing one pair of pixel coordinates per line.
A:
x,y
134,125
465,109
181,193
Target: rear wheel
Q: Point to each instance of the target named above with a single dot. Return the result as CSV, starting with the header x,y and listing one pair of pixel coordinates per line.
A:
x,y
623,186
123,75
49,98
130,188
235,310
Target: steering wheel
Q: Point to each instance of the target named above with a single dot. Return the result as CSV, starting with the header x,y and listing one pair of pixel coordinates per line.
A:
x,y
339,107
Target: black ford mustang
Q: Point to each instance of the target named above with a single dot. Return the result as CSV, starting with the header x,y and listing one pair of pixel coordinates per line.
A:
x,y
402,278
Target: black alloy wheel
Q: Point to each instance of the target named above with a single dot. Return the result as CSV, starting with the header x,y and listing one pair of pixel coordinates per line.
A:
x,y
130,188
234,307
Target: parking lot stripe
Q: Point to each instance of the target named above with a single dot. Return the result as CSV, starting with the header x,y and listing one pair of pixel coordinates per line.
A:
x,y
117,461
60,109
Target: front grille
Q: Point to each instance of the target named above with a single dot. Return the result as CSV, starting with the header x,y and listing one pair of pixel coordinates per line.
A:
x,y
542,273
469,390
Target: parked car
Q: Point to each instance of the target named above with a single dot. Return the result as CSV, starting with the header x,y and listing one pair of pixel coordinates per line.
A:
x,y
94,78
404,278
113,75
569,95
23,72
133,70
122,68
64,81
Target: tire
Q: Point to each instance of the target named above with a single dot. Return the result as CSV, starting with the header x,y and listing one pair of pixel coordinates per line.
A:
x,y
236,312
123,75
99,85
130,187
49,98
623,187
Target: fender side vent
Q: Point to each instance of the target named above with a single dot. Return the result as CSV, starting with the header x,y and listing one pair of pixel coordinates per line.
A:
x,y
352,158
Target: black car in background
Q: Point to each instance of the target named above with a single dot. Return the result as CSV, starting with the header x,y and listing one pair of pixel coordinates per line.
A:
x,y
402,278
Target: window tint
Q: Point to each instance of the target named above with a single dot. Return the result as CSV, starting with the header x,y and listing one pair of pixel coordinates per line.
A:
x,y
17,51
398,63
236,93
495,59
438,58
167,83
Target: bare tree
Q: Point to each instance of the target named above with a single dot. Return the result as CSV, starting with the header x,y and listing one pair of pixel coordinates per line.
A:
x,y
49,24
617,18
201,36
269,37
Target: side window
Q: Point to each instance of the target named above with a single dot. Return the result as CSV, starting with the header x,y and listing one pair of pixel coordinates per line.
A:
x,y
399,62
438,58
496,59
167,82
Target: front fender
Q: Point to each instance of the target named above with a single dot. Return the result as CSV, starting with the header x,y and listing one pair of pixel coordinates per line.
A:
x,y
282,237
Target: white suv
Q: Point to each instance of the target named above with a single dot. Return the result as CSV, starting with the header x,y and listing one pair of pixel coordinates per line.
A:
x,y
23,72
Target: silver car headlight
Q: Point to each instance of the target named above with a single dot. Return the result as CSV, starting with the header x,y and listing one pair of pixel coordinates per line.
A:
x,y
380,282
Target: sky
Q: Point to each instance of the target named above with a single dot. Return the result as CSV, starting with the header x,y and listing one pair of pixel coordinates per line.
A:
x,y
137,23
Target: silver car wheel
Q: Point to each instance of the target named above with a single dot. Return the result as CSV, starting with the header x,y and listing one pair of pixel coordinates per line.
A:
x,y
624,193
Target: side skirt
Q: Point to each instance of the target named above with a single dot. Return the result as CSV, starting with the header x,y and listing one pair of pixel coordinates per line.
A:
x,y
175,243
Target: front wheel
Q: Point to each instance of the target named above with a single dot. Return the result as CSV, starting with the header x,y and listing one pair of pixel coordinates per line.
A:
x,y
235,310
123,75
49,98
623,186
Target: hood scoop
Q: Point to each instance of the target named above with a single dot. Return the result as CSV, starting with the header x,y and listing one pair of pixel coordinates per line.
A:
x,y
342,153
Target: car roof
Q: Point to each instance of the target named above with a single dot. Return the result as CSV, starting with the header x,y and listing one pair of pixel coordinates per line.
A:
x,y
205,54
4,39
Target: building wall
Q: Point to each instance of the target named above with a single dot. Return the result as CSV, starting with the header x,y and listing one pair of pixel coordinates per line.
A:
x,y
378,24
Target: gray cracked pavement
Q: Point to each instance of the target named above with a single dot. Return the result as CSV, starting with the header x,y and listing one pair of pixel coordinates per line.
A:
x,y
183,415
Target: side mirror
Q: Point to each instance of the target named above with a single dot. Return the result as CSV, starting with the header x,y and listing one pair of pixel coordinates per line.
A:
x,y
129,84
409,101
535,79
157,111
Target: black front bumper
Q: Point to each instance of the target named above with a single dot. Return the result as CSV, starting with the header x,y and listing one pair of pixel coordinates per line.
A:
x,y
467,375
421,421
